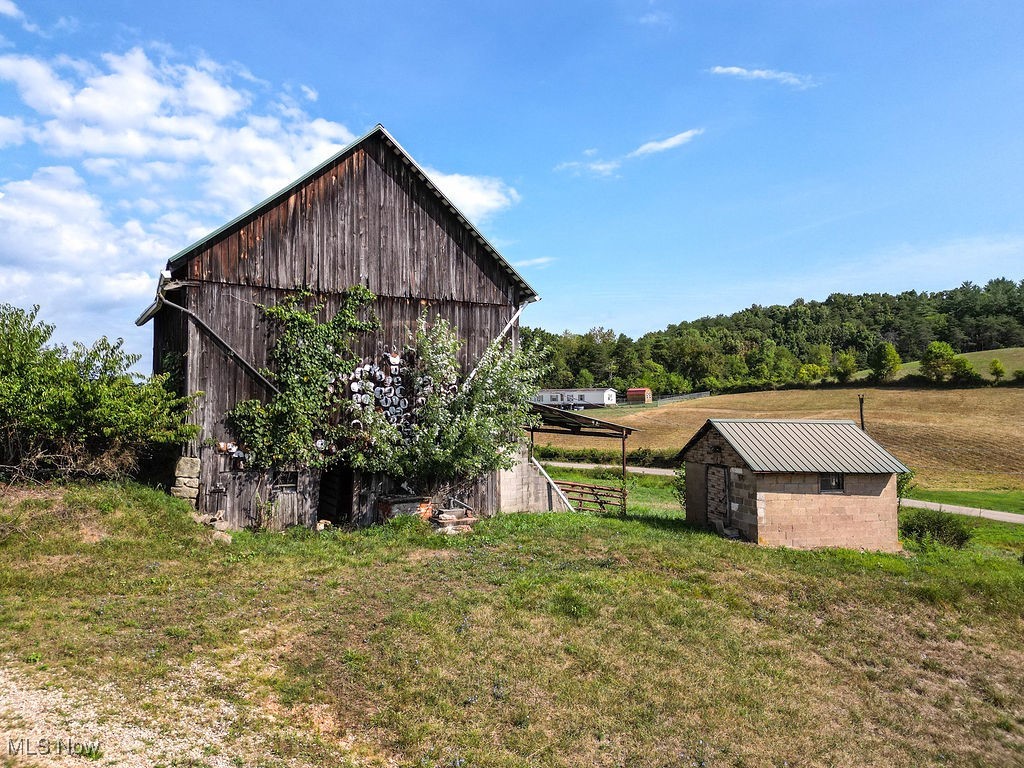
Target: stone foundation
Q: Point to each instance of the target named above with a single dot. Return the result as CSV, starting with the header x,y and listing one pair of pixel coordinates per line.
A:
x,y
186,479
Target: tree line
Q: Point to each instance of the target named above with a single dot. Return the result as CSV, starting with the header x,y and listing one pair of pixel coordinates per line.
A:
x,y
805,342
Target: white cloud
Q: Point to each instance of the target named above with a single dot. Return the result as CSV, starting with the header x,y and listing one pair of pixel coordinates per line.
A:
x,y
656,19
539,262
148,152
596,167
476,196
12,131
786,78
602,167
61,249
678,140
12,11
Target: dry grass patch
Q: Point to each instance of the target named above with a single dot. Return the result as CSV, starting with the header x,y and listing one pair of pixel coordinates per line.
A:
x,y
557,640
954,438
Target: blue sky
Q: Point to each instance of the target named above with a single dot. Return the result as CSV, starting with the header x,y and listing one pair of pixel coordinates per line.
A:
x,y
641,163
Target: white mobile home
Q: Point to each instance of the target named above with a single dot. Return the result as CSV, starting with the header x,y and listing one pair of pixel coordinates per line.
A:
x,y
575,398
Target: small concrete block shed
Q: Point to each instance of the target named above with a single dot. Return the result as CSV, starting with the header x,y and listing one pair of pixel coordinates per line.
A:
x,y
794,483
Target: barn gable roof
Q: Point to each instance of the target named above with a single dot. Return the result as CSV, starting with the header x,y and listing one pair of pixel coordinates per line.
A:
x,y
793,445
379,132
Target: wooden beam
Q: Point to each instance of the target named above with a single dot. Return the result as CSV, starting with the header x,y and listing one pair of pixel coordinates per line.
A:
x,y
580,433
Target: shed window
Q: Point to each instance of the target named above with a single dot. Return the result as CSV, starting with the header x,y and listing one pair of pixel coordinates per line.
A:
x,y
285,482
830,482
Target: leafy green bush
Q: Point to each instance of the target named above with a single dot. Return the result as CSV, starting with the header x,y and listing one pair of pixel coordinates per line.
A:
x,y
461,427
937,361
904,485
679,484
963,372
930,526
996,369
640,457
307,411
468,423
79,411
884,361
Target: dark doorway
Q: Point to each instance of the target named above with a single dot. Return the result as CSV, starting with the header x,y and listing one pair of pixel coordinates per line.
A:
x,y
336,487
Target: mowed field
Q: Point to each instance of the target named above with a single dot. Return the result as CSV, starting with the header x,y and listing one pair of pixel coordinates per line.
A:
x,y
1012,359
554,640
965,439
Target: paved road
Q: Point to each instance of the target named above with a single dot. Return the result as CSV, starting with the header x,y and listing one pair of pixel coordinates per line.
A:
x,y
989,514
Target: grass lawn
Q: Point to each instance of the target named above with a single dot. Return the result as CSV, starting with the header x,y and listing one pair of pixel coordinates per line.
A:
x,y
1012,359
548,640
1004,501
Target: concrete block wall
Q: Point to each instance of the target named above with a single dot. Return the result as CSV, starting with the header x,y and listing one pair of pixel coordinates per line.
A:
x,y
792,512
524,488
743,502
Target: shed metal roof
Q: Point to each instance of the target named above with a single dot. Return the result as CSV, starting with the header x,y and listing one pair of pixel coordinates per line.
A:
x,y
791,445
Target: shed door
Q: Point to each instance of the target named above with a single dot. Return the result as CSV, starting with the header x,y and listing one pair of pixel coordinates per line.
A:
x,y
718,493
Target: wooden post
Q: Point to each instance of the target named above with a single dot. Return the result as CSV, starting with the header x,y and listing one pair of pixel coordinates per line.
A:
x,y
624,461
861,398
531,443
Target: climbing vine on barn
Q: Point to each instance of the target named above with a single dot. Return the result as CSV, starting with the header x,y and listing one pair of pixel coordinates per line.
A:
x,y
410,413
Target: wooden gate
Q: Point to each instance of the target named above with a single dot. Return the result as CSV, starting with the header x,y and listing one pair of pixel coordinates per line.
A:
x,y
594,498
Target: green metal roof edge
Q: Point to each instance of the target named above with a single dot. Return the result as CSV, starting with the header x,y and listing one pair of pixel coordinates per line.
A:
x,y
749,462
184,254
711,423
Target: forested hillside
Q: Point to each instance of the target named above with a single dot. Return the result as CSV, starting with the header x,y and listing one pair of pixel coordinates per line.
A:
x,y
805,341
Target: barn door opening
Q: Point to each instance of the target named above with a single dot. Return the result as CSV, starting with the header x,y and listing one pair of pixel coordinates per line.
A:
x,y
718,494
336,488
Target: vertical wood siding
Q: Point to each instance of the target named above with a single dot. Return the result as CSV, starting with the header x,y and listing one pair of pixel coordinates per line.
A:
x,y
369,220
366,220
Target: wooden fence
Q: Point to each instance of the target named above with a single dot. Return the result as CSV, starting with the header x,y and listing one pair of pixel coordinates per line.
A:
x,y
594,498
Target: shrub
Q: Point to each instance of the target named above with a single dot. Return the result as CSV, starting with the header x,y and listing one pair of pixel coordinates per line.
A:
x,y
996,369
640,457
963,372
1018,375
937,361
904,485
844,366
928,526
679,484
884,361
79,411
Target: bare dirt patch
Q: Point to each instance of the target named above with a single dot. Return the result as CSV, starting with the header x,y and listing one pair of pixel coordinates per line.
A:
x,y
135,729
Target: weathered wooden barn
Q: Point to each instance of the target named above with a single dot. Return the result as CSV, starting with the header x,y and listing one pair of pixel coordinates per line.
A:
x,y
800,484
367,216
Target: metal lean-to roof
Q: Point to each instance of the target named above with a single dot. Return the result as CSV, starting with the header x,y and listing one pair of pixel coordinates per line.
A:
x,y
576,422
773,445
183,255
